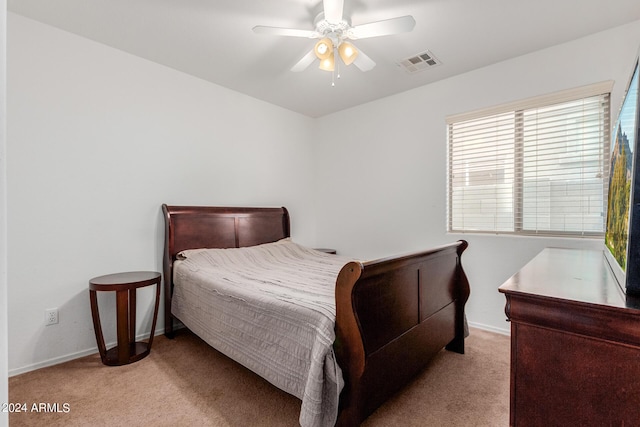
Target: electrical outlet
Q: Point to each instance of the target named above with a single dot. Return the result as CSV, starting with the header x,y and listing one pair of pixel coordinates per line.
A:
x,y
51,316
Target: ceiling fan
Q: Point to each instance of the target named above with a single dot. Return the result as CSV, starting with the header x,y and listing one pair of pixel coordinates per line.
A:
x,y
333,30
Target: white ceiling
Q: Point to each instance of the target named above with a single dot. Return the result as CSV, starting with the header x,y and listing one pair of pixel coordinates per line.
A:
x,y
213,39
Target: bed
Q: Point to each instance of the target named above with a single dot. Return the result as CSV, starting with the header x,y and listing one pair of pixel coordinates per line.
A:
x,y
391,315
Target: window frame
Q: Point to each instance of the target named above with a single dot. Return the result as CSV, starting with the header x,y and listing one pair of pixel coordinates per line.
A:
x,y
518,107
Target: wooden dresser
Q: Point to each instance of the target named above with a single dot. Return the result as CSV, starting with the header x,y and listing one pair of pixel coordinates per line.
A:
x,y
575,343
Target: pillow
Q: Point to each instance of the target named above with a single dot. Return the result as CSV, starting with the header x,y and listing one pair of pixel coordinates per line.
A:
x,y
184,254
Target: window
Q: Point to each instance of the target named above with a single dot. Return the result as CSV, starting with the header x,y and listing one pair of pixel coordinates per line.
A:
x,y
534,167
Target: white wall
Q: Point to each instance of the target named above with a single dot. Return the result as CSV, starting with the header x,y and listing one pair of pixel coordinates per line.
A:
x,y
97,141
382,184
4,329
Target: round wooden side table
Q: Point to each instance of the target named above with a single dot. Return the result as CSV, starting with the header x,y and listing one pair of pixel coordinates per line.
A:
x,y
125,285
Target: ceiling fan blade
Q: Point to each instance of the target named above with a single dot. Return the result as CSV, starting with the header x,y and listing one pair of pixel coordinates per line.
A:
x,y
402,24
333,10
304,62
291,32
363,62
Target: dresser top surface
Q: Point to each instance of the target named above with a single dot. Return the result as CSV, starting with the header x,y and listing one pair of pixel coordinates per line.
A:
x,y
577,275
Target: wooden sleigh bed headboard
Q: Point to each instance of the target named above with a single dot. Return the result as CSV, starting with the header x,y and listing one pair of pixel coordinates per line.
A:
x,y
193,227
392,315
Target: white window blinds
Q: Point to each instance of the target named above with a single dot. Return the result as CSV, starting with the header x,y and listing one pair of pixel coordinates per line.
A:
x,y
534,167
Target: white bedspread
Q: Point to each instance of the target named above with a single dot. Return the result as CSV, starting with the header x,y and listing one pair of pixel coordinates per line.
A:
x,y
271,308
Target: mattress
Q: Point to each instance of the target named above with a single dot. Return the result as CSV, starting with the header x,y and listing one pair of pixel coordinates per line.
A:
x,y
271,308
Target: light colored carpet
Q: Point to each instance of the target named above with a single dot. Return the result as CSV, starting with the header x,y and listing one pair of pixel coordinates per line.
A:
x,y
184,382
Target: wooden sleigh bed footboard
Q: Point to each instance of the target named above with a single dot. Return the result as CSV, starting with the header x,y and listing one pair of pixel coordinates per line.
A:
x,y
392,315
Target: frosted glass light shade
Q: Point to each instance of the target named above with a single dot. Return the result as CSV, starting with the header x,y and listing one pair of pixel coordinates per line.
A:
x,y
347,52
328,64
324,48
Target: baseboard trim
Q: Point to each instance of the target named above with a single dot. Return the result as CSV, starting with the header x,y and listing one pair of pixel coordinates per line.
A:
x,y
71,356
490,328
94,350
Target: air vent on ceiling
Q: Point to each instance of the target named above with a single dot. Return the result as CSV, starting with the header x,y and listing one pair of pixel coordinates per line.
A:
x,y
419,62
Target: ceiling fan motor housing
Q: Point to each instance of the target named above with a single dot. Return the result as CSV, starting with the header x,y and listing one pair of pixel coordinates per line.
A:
x,y
336,32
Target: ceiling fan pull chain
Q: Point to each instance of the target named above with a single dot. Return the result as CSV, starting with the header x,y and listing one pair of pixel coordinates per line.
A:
x,y
335,56
333,72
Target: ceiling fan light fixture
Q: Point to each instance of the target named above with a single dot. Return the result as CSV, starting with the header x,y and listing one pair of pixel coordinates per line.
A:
x,y
324,48
347,52
328,63
332,29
